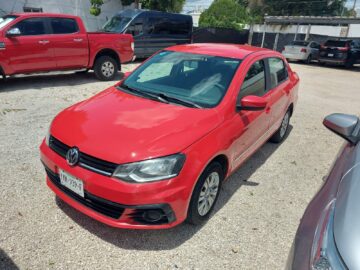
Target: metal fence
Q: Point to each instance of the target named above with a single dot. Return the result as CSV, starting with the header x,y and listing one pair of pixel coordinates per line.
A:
x,y
220,35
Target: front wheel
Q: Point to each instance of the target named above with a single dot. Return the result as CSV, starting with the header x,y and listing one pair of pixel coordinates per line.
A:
x,y
280,134
105,68
308,59
205,194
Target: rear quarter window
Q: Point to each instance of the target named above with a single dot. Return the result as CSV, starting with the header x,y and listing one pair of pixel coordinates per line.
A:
x,y
278,71
64,25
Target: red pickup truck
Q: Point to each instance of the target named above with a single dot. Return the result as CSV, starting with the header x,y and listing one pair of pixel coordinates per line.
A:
x,y
43,42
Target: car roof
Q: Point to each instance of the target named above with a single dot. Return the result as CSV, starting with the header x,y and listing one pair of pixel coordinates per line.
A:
x,y
219,49
40,14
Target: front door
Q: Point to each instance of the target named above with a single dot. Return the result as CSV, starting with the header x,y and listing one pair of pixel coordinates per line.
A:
x,y
31,51
250,127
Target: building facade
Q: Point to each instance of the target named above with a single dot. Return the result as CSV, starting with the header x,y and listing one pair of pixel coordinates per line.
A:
x,y
74,7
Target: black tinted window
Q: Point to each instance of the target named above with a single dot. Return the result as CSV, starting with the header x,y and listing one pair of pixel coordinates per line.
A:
x,y
31,27
136,27
278,71
158,25
168,26
336,43
64,26
254,82
300,43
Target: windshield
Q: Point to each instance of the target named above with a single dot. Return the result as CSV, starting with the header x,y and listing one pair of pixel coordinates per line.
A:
x,y
300,43
6,20
198,79
116,24
336,43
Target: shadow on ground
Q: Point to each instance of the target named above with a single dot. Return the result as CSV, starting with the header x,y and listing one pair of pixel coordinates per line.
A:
x,y
171,238
50,80
6,263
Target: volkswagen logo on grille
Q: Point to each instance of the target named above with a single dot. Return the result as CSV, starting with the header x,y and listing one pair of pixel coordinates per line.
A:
x,y
72,156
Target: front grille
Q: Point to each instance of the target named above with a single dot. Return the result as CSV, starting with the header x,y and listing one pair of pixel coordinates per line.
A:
x,y
86,161
97,204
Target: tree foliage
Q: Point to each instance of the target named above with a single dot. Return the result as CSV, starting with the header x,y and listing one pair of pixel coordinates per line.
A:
x,y
225,13
302,7
160,5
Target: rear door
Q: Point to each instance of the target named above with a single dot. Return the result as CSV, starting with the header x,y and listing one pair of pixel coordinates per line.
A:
x,y
31,51
279,88
252,126
69,44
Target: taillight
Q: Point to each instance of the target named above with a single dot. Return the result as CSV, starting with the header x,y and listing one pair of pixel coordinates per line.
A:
x,y
343,49
303,50
322,47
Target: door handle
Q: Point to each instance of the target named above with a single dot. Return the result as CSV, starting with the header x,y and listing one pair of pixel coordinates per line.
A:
x,y
78,39
44,42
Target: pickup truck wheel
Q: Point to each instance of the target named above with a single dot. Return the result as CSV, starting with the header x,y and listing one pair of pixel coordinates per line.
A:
x,y
280,134
205,194
105,68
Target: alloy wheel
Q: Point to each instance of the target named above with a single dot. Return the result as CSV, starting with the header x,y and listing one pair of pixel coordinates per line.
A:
x,y
208,193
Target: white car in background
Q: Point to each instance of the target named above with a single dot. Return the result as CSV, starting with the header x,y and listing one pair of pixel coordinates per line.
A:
x,y
302,50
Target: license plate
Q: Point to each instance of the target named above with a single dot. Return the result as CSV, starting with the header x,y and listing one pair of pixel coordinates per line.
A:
x,y
330,54
72,183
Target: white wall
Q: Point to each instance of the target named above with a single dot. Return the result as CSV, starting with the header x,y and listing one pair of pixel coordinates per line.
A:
x,y
334,31
74,7
354,30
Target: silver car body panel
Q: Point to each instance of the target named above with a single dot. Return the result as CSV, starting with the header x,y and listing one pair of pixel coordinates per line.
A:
x,y
347,215
300,253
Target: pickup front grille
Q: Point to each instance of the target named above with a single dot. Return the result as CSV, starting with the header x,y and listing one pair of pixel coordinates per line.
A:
x,y
85,161
97,204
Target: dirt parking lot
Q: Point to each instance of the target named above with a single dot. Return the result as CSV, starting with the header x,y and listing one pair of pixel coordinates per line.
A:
x,y
256,216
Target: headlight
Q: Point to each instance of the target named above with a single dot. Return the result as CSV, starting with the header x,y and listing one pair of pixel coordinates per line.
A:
x,y
151,170
324,253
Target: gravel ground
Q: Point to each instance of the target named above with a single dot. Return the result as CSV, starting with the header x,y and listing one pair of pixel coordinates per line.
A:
x,y
254,222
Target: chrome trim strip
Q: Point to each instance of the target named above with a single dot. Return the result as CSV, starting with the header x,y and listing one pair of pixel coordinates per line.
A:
x,y
94,169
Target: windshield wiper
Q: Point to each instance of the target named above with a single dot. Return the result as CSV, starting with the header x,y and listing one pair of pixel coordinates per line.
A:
x,y
179,101
142,93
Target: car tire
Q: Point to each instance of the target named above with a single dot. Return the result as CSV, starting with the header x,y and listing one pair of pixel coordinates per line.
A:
x,y
105,68
205,194
281,133
322,63
308,60
349,63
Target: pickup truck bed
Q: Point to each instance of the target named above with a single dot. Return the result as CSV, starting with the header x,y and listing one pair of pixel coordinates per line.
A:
x,y
42,42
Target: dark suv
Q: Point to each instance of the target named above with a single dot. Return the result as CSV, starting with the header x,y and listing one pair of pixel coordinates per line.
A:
x,y
342,52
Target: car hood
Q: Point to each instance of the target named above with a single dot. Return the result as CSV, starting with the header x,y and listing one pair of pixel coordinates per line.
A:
x,y
120,127
347,217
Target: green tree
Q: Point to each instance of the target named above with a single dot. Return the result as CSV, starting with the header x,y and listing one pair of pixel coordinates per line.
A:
x,y
161,5
304,7
225,13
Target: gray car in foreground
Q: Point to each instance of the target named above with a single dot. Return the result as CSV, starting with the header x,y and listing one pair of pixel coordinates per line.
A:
x,y
328,236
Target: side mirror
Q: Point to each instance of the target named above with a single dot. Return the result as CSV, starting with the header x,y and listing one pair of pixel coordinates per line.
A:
x,y
251,103
345,125
13,32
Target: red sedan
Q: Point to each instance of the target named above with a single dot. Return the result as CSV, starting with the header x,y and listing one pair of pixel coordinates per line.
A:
x,y
154,150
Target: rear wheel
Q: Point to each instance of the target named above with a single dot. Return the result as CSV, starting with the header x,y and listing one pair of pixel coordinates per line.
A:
x,y
105,68
280,134
205,194
349,63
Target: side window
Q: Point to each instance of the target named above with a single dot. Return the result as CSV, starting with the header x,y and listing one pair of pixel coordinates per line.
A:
x,y
64,26
254,82
31,27
136,27
158,26
278,71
